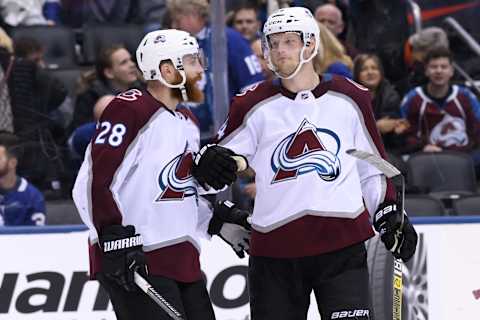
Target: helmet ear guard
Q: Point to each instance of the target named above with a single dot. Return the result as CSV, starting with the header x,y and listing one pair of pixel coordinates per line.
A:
x,y
294,19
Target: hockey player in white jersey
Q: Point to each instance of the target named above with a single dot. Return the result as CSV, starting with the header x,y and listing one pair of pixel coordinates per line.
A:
x,y
136,194
315,203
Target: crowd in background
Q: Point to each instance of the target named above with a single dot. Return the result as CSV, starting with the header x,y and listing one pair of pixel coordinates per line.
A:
x,y
420,103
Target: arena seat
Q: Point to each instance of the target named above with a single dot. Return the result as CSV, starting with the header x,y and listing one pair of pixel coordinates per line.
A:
x,y
424,206
467,206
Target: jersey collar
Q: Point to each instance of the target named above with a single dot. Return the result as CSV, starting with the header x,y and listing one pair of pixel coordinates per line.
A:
x,y
318,91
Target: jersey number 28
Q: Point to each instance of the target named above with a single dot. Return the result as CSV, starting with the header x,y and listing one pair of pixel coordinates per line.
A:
x,y
113,135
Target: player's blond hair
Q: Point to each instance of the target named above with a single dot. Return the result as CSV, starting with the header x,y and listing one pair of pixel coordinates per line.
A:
x,y
332,51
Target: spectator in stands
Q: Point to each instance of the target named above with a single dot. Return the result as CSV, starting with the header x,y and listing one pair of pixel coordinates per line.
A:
x,y
442,116
368,71
331,17
332,58
30,49
256,46
6,116
5,41
245,20
81,136
244,68
115,72
37,98
20,202
32,12
417,47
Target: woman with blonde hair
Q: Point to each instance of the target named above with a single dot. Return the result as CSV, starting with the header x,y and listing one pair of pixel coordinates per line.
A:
x,y
332,57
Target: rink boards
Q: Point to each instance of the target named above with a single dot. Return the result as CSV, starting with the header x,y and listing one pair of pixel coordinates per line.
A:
x,y
43,276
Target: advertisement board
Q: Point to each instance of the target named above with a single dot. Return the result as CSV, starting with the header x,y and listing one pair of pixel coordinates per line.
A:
x,y
44,277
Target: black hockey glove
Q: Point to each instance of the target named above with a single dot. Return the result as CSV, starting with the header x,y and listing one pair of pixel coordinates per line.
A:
x,y
400,240
231,224
122,255
214,165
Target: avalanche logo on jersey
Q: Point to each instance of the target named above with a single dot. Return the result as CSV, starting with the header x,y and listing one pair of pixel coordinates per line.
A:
x,y
175,180
306,151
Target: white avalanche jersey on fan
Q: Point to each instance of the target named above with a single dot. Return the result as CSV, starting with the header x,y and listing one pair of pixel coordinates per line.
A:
x,y
296,144
137,172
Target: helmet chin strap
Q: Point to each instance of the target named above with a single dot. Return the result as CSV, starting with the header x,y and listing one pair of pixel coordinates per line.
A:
x,y
180,86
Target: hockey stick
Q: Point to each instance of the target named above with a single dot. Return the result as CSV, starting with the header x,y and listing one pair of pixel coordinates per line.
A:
x,y
390,171
156,297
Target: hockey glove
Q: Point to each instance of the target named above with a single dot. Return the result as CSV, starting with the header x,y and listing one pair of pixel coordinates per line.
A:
x,y
214,165
122,255
400,239
231,224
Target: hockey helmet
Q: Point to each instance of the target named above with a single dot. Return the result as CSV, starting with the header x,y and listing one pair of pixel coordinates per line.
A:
x,y
293,19
162,45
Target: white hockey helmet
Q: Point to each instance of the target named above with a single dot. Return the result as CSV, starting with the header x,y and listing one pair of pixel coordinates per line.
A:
x,y
294,19
160,45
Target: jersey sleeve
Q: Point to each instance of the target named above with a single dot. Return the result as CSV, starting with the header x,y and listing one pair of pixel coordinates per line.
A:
x,y
367,138
111,156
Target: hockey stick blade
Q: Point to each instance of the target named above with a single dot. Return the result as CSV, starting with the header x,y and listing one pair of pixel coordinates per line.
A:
x,y
156,297
388,169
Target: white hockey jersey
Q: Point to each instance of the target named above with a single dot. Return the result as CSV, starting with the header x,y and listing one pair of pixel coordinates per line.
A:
x,y
137,172
309,190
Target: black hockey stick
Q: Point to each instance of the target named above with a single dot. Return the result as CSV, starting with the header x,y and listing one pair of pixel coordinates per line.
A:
x,y
156,297
390,171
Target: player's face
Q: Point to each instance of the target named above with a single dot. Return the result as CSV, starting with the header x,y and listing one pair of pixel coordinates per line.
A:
x,y
193,67
439,71
246,23
123,69
285,50
370,75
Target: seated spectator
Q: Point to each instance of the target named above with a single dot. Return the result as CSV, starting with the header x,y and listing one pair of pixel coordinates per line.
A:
x,y
81,136
368,71
38,99
6,116
442,116
28,13
5,41
243,68
20,202
332,57
332,18
256,46
245,20
115,72
416,48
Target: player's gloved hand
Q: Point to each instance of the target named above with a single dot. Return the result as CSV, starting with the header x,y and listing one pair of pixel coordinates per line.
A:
x,y
122,255
214,165
232,225
400,240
